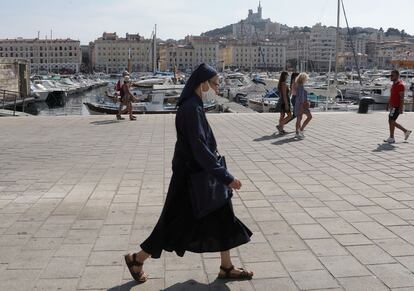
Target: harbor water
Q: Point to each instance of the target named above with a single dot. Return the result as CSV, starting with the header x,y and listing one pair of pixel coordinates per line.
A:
x,y
71,105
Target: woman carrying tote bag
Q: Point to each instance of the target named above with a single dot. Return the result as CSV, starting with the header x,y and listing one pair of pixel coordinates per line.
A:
x,y
182,226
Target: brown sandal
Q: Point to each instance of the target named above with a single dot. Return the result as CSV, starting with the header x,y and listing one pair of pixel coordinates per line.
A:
x,y
243,275
140,276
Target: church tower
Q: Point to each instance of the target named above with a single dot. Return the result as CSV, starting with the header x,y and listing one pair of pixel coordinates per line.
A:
x,y
259,11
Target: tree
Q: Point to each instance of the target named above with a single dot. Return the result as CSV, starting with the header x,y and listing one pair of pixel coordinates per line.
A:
x,y
306,29
354,31
392,31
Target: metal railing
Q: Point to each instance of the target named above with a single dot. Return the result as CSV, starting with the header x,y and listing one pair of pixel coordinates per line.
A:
x,y
10,99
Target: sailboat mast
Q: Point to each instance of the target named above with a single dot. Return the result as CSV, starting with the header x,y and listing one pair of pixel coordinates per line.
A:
x,y
154,51
129,61
337,41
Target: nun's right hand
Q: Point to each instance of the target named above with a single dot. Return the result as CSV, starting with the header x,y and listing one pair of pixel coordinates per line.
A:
x,y
236,184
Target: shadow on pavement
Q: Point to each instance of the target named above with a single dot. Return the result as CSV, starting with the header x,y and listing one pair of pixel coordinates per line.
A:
x,y
190,285
287,140
124,287
384,147
103,122
269,137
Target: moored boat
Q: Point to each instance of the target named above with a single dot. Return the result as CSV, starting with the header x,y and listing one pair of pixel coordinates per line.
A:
x,y
160,101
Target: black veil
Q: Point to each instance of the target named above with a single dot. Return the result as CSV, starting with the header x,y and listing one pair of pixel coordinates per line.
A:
x,y
203,73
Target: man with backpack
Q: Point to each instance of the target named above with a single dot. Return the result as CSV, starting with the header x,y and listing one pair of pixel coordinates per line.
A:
x,y
126,99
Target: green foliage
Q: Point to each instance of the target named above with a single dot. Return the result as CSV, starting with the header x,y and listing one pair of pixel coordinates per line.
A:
x,y
306,29
395,31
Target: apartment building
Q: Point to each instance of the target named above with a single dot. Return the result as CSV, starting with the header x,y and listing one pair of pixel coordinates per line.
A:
x,y
260,55
193,51
381,53
44,55
173,56
297,50
112,54
322,47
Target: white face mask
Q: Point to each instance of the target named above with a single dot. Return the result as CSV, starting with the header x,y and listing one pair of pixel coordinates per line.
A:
x,y
209,95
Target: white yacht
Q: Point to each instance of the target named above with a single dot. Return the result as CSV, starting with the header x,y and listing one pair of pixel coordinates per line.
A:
x,y
39,91
261,104
43,90
237,87
151,81
268,82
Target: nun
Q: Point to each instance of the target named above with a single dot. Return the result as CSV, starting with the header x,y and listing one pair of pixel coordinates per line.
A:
x,y
179,227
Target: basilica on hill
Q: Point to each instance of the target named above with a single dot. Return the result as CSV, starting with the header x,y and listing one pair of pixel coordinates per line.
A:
x,y
255,26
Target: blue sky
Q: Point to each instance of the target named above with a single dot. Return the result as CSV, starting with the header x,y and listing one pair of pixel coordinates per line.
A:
x,y
87,19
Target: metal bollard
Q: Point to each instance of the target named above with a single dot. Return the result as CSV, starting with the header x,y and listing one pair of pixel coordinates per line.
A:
x,y
15,104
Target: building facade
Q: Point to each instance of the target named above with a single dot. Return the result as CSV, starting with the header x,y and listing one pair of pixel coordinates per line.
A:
x,y
192,52
380,54
349,43
322,47
86,65
347,61
205,50
297,50
112,54
256,56
55,55
179,57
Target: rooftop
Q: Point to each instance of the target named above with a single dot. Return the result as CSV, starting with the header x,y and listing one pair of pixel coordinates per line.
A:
x,y
18,40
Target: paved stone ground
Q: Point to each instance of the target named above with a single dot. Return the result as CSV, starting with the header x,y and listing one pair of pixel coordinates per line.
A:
x,y
332,212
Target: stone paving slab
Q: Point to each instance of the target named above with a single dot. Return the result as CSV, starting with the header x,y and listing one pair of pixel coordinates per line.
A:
x,y
332,212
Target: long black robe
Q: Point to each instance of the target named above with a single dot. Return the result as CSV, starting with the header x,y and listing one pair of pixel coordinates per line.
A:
x,y
177,228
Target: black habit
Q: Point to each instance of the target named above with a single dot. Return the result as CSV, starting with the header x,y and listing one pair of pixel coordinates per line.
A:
x,y
177,228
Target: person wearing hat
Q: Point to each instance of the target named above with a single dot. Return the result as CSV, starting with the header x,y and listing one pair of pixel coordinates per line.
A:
x,y
126,99
179,228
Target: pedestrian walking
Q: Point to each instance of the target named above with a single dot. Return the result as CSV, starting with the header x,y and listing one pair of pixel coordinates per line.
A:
x,y
301,105
186,224
396,107
126,100
293,88
283,105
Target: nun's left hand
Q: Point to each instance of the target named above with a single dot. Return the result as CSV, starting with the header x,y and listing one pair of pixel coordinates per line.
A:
x,y
236,184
